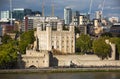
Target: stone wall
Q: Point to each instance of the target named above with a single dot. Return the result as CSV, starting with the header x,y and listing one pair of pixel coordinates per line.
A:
x,y
61,40
36,59
82,60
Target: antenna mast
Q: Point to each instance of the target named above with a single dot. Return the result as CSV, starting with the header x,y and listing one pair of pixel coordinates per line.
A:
x,y
52,8
89,12
103,6
11,12
42,7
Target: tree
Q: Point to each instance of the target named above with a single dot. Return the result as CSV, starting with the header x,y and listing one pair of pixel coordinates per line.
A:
x,y
106,34
116,40
84,43
26,38
101,49
8,55
5,39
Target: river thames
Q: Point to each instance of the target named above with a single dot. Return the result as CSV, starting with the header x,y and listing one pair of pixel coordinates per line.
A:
x,y
79,75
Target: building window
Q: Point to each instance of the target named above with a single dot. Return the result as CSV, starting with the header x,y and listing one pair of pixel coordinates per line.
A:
x,y
37,61
43,61
67,41
32,61
52,47
57,46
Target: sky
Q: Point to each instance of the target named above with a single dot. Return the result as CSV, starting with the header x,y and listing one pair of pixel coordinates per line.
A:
x,y
111,7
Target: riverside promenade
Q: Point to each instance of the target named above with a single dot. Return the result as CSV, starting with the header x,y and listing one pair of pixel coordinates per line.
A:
x,y
59,70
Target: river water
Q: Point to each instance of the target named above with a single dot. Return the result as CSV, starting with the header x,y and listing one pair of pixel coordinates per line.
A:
x,y
80,75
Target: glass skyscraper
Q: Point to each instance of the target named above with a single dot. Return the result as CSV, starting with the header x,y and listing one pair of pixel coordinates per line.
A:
x,y
67,15
5,14
19,13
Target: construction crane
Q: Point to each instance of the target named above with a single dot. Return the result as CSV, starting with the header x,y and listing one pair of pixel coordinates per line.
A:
x,y
11,12
90,7
43,8
52,8
103,4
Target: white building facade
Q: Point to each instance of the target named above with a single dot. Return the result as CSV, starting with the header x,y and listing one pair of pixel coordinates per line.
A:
x,y
59,39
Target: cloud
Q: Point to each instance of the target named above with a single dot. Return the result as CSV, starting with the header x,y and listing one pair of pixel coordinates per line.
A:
x,y
80,5
113,14
112,7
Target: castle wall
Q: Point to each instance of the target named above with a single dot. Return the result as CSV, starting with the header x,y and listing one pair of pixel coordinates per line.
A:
x,y
34,58
83,60
61,40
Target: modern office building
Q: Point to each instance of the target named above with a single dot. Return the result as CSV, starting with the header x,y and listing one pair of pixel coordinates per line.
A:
x,y
83,19
115,29
0,31
19,13
75,18
98,15
31,22
5,15
83,29
27,24
114,19
67,15
7,28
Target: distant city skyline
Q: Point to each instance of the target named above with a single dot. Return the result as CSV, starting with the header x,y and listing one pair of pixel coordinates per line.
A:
x,y
111,7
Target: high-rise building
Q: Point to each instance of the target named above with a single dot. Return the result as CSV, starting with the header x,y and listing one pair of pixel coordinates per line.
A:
x,y
31,22
67,15
98,15
5,15
115,29
7,28
114,19
75,18
83,19
0,31
19,13
27,24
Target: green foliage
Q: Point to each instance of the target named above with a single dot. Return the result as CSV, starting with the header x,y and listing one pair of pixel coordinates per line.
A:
x,y
26,38
6,39
106,34
77,30
9,48
101,49
8,54
84,43
116,40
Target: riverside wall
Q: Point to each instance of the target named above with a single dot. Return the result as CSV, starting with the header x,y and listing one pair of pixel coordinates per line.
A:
x,y
83,60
